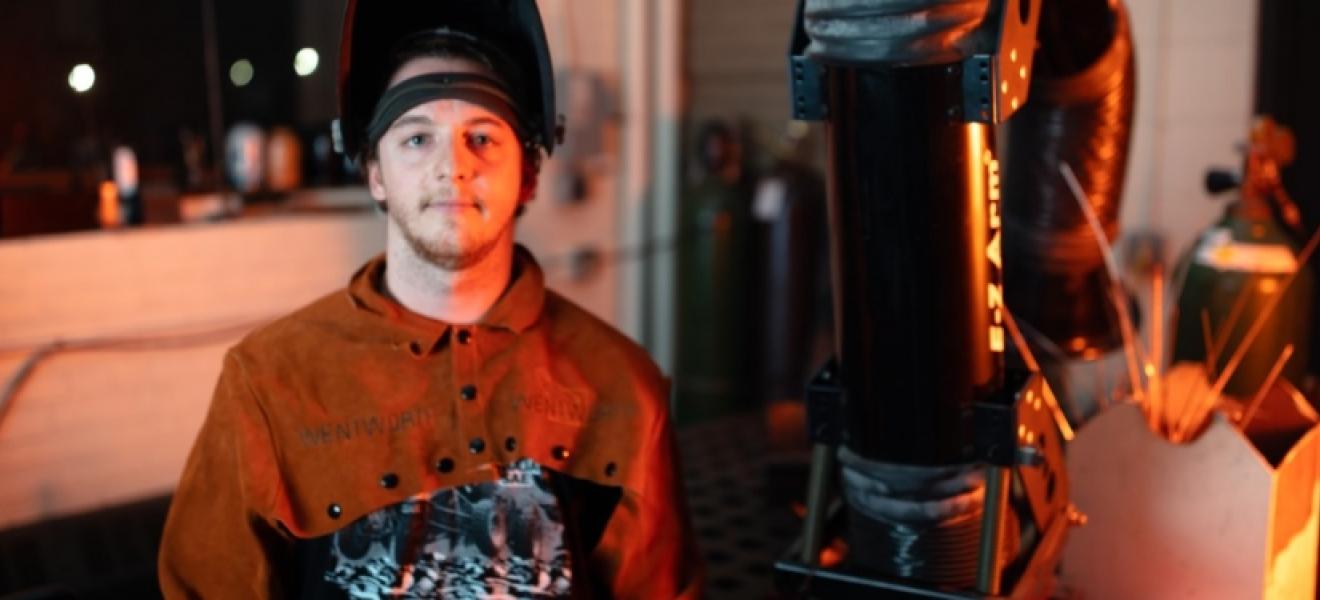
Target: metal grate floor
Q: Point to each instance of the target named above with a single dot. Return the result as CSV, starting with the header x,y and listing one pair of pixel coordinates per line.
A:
x,y
731,491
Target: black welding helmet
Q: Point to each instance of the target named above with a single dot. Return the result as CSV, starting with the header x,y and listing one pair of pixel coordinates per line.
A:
x,y
507,33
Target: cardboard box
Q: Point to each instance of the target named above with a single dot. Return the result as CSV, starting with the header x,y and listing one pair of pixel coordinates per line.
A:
x,y
1228,515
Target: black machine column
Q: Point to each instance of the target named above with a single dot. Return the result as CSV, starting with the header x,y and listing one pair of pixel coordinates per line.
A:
x,y
913,205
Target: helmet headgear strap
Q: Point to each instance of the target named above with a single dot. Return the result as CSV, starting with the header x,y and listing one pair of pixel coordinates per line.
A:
x,y
478,89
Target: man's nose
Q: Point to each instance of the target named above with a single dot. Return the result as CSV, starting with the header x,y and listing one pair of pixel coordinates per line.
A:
x,y
451,159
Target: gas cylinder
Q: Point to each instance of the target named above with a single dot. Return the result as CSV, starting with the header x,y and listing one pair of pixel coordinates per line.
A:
x,y
711,363
1237,268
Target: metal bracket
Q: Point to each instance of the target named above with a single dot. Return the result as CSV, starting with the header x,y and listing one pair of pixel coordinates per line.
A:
x,y
806,77
996,83
825,400
996,423
1016,427
1016,432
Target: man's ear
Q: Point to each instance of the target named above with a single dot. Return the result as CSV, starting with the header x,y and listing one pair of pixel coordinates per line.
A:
x,y
528,189
375,181
531,174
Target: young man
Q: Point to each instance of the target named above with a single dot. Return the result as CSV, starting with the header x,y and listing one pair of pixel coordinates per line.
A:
x,y
445,427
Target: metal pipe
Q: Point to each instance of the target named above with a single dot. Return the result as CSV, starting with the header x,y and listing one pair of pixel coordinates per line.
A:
x,y
988,571
813,526
894,32
1080,113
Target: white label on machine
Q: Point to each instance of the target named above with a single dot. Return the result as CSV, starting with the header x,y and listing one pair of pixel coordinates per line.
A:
x,y
1220,251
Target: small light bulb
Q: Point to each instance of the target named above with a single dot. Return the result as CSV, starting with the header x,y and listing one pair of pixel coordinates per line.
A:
x,y
241,72
82,78
306,61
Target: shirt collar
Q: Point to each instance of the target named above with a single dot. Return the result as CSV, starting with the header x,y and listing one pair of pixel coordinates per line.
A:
x,y
517,309
520,305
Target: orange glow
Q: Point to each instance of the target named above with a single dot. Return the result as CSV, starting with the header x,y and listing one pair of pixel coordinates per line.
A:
x,y
1060,419
1156,359
108,210
833,554
786,424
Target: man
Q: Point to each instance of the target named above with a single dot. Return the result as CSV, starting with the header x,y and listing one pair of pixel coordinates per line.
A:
x,y
445,427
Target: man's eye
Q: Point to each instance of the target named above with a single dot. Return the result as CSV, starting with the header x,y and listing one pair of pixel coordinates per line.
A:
x,y
414,141
480,140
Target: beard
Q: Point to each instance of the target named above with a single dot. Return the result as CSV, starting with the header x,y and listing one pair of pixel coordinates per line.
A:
x,y
448,247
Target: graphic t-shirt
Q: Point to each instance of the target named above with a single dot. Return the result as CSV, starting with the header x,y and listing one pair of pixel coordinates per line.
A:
x,y
498,539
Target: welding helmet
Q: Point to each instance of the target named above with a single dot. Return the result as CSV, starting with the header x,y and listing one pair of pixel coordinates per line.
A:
x,y
507,34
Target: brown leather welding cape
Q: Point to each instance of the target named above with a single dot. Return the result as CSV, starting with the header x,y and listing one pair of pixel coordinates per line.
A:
x,y
356,449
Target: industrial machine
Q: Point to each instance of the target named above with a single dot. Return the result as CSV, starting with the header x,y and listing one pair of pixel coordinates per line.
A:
x,y
945,438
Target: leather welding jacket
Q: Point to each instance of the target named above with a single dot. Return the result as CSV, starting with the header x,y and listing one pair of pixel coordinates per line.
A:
x,y
355,450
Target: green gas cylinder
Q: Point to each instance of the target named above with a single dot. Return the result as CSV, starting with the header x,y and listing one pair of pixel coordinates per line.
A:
x,y
712,358
1234,271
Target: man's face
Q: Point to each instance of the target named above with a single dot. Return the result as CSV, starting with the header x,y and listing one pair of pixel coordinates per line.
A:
x,y
450,173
